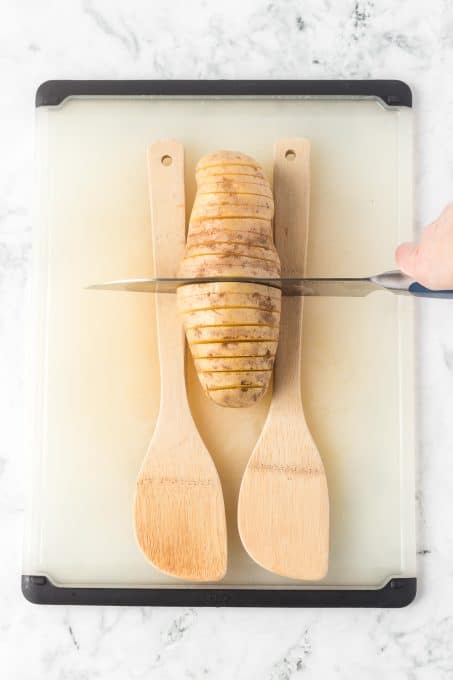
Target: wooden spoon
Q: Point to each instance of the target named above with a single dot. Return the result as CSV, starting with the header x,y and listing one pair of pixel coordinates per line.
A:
x,y
283,511
179,511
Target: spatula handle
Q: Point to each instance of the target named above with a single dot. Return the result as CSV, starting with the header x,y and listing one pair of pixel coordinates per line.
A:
x,y
167,202
291,193
167,199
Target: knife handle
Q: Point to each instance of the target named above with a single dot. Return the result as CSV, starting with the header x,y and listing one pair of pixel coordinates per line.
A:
x,y
420,291
398,282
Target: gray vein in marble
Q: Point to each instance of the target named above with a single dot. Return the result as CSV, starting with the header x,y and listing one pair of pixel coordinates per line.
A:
x,y
294,659
179,627
109,619
300,23
448,358
145,613
73,637
173,636
432,652
409,44
128,38
361,13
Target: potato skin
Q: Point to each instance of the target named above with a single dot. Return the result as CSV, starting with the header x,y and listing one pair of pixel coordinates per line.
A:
x,y
232,328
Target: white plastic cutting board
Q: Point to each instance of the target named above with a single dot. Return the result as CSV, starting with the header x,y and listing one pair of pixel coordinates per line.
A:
x,y
96,380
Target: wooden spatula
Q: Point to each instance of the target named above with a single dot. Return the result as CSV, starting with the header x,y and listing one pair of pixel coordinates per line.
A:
x,y
283,511
179,511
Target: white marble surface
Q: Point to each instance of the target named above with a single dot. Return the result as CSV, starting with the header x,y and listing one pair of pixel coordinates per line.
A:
x,y
281,38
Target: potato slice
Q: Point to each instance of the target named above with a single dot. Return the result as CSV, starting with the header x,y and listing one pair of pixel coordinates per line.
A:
x,y
223,317
233,198
225,248
256,238
256,183
238,223
216,379
234,364
242,397
234,301
229,287
209,350
229,266
245,238
204,208
223,294
232,187
226,156
230,334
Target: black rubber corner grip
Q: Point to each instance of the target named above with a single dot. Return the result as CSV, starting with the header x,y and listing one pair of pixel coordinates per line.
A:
x,y
398,93
391,92
50,92
399,592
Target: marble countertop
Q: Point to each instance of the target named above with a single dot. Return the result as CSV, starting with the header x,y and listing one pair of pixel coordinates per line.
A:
x,y
256,39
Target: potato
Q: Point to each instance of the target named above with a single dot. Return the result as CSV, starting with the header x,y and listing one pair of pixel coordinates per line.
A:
x,y
232,327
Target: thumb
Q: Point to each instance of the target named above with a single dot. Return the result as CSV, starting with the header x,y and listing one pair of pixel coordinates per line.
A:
x,y
406,258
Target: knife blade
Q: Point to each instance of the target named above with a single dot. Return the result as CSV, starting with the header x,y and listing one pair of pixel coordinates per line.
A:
x,y
393,281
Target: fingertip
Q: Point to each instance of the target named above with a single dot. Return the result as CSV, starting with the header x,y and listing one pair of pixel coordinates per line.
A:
x,y
405,257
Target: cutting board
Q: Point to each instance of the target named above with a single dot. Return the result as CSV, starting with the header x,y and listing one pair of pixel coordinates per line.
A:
x,y
94,361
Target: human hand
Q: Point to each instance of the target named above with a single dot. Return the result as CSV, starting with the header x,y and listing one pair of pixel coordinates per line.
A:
x,y
430,262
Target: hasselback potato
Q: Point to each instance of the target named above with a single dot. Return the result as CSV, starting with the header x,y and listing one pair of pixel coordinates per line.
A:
x,y
232,328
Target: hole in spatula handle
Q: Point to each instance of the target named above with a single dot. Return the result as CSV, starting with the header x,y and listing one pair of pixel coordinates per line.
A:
x,y
166,160
290,155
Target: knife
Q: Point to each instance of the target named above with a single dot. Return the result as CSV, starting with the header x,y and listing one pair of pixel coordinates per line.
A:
x,y
394,281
